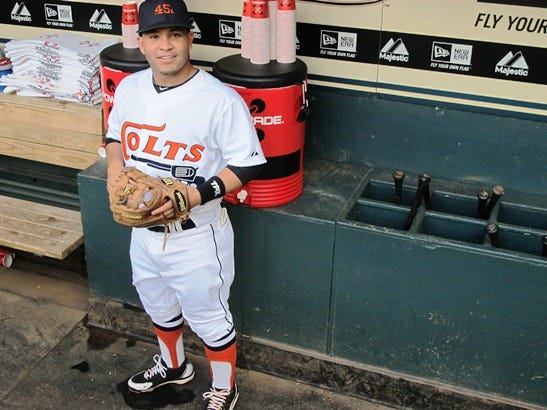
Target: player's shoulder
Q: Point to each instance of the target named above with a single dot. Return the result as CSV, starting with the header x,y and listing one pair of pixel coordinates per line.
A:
x,y
213,84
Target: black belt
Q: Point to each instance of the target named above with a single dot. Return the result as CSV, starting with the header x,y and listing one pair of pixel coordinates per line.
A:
x,y
189,224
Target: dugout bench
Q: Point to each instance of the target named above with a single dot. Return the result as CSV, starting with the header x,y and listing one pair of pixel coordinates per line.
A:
x,y
44,143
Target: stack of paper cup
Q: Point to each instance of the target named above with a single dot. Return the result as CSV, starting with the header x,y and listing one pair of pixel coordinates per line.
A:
x,y
130,24
272,12
260,29
286,31
6,258
268,31
246,34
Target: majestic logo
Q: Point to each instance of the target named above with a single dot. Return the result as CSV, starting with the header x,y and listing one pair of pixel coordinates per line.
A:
x,y
100,20
394,51
513,64
19,13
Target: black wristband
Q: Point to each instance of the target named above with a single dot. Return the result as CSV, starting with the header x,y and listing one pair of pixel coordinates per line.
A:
x,y
213,188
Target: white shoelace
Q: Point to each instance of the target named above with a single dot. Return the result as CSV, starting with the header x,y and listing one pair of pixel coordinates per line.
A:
x,y
217,398
157,368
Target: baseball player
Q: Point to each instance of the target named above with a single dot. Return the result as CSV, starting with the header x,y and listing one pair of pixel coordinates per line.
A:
x,y
176,120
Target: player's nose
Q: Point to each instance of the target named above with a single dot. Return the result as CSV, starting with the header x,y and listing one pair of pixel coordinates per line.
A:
x,y
165,42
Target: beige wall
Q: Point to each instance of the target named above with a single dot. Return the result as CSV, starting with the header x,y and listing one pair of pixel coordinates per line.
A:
x,y
462,19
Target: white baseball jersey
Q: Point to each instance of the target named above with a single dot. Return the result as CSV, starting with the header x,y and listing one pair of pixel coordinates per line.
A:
x,y
189,132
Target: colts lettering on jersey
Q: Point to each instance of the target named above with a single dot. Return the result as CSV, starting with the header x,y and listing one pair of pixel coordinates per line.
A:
x,y
148,142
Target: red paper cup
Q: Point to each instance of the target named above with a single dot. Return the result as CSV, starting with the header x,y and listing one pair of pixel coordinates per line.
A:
x,y
6,258
130,24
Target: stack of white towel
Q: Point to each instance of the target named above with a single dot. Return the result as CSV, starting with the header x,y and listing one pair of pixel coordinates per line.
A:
x,y
62,66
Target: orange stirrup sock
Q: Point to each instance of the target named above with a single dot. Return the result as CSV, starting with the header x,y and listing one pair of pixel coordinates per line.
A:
x,y
171,345
222,365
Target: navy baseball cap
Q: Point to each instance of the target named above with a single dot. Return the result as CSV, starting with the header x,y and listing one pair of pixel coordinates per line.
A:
x,y
155,14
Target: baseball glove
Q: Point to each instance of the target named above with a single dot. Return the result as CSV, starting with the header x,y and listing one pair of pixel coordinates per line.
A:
x,y
137,194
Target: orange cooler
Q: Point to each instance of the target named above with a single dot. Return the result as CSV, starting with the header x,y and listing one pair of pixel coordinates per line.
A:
x,y
276,96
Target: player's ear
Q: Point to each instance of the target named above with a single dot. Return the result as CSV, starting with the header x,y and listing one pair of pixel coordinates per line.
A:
x,y
139,42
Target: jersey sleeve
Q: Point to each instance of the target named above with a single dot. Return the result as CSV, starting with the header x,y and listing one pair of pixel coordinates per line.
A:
x,y
114,126
236,135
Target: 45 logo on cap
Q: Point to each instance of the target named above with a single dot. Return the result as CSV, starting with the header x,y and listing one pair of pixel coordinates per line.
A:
x,y
164,8
156,14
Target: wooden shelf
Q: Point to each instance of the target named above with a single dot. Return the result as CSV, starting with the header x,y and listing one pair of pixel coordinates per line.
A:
x,y
49,130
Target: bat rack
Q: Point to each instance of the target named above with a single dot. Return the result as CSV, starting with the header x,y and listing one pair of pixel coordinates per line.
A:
x,y
520,220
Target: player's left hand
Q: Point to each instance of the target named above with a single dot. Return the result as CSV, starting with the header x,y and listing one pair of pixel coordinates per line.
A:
x,y
166,209
140,200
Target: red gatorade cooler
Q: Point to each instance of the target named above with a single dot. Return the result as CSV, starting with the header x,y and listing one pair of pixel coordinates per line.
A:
x,y
276,96
117,62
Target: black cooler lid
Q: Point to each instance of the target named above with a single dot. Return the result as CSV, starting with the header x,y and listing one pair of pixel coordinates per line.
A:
x,y
126,60
239,71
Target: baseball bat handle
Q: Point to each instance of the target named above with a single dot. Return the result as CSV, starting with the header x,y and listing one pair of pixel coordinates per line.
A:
x,y
482,197
497,192
398,177
425,191
493,233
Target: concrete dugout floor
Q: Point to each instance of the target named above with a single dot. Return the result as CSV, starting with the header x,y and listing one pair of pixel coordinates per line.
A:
x,y
50,360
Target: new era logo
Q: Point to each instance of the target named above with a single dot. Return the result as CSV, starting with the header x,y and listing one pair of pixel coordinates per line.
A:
x,y
440,52
451,53
327,40
339,40
229,29
58,13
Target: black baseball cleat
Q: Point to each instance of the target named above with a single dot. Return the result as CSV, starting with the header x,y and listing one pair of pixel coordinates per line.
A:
x,y
221,399
159,375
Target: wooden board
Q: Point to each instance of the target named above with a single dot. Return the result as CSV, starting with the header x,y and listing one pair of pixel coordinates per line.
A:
x,y
41,229
52,113
47,153
51,131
